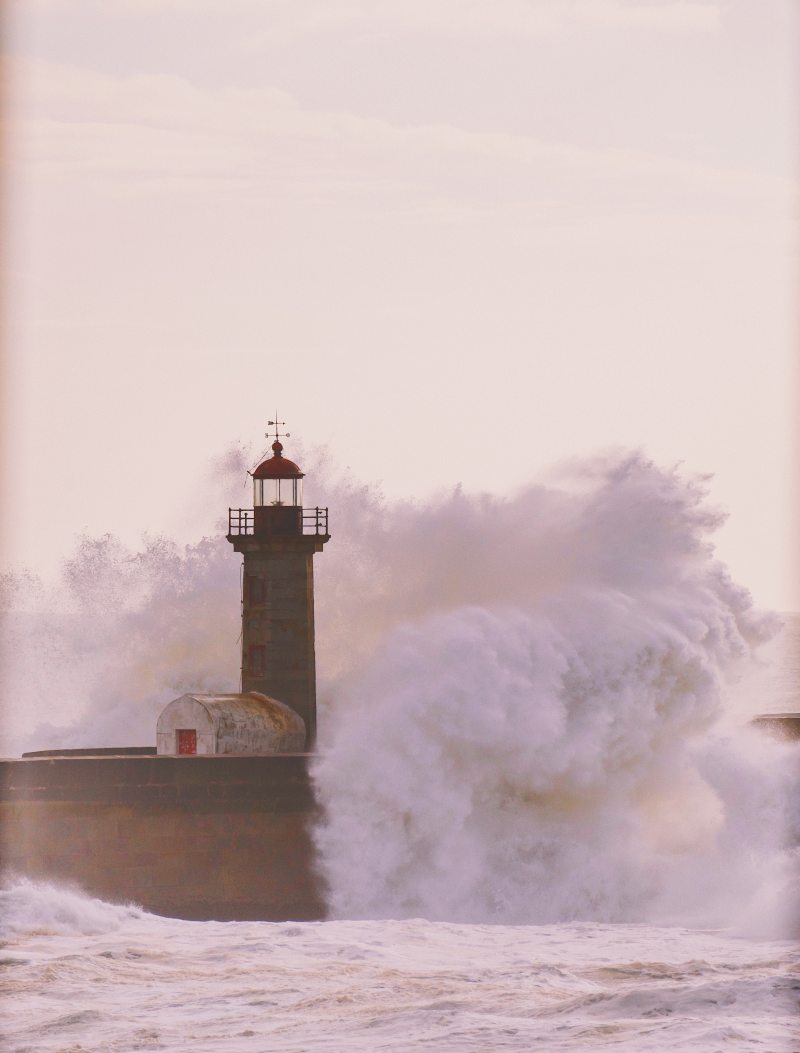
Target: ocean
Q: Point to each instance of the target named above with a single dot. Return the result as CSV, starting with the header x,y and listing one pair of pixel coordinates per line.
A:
x,y
549,822
89,976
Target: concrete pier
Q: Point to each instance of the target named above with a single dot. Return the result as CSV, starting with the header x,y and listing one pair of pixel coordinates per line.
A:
x,y
202,837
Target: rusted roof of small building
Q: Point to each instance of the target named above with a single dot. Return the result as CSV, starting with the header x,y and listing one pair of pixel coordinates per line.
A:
x,y
251,707
278,466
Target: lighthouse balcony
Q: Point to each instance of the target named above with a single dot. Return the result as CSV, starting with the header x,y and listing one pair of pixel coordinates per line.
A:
x,y
277,519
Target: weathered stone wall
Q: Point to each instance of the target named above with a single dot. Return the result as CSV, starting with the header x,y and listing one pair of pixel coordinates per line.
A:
x,y
223,837
278,620
281,623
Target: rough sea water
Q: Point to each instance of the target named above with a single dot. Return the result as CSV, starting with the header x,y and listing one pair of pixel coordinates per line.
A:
x,y
84,975
548,823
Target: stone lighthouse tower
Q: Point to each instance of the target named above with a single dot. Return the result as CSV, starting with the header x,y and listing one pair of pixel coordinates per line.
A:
x,y
278,539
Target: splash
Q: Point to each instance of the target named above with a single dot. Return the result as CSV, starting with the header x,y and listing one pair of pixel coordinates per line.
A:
x,y
92,660
538,731
39,907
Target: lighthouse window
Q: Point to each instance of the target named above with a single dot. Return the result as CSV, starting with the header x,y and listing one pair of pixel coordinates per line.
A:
x,y
291,491
277,492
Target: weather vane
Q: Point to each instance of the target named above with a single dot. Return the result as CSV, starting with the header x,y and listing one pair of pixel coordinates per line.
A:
x,y
276,424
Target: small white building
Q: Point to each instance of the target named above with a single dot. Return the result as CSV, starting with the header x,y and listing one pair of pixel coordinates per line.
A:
x,y
246,723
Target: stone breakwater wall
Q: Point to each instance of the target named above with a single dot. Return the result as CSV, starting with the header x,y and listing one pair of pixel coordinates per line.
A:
x,y
223,837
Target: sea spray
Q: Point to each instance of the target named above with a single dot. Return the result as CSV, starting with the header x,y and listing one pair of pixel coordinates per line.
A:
x,y
91,660
532,736
45,908
92,657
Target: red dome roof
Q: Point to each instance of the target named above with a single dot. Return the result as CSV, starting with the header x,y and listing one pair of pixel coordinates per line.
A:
x,y
277,467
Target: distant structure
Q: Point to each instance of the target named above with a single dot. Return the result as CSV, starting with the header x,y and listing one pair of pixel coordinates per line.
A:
x,y
278,539
779,725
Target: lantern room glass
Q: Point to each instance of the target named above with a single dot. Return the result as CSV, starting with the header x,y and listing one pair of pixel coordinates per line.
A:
x,y
277,492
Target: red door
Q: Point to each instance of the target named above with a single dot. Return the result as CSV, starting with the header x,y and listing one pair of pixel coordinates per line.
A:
x,y
187,740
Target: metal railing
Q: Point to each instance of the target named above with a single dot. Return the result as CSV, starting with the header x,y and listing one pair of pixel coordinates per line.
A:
x,y
241,521
315,521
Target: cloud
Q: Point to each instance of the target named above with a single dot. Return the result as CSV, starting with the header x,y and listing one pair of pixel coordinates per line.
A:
x,y
144,133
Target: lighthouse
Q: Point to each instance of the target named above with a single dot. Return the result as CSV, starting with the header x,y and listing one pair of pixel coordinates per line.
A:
x,y
278,539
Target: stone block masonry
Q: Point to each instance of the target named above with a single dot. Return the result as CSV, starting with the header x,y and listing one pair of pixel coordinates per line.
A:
x,y
278,620
203,837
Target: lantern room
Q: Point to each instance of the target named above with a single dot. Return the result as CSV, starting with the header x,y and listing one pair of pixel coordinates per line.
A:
x,y
278,494
277,481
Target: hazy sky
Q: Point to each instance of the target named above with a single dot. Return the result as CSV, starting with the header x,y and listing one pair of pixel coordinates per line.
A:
x,y
456,240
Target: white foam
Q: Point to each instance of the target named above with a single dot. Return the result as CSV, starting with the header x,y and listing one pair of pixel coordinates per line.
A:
x,y
41,907
532,737
250,986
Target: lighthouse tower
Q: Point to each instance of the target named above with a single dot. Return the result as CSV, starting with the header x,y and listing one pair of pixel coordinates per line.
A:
x,y
277,539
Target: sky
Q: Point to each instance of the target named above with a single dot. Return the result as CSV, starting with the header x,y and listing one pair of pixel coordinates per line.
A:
x,y
454,241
